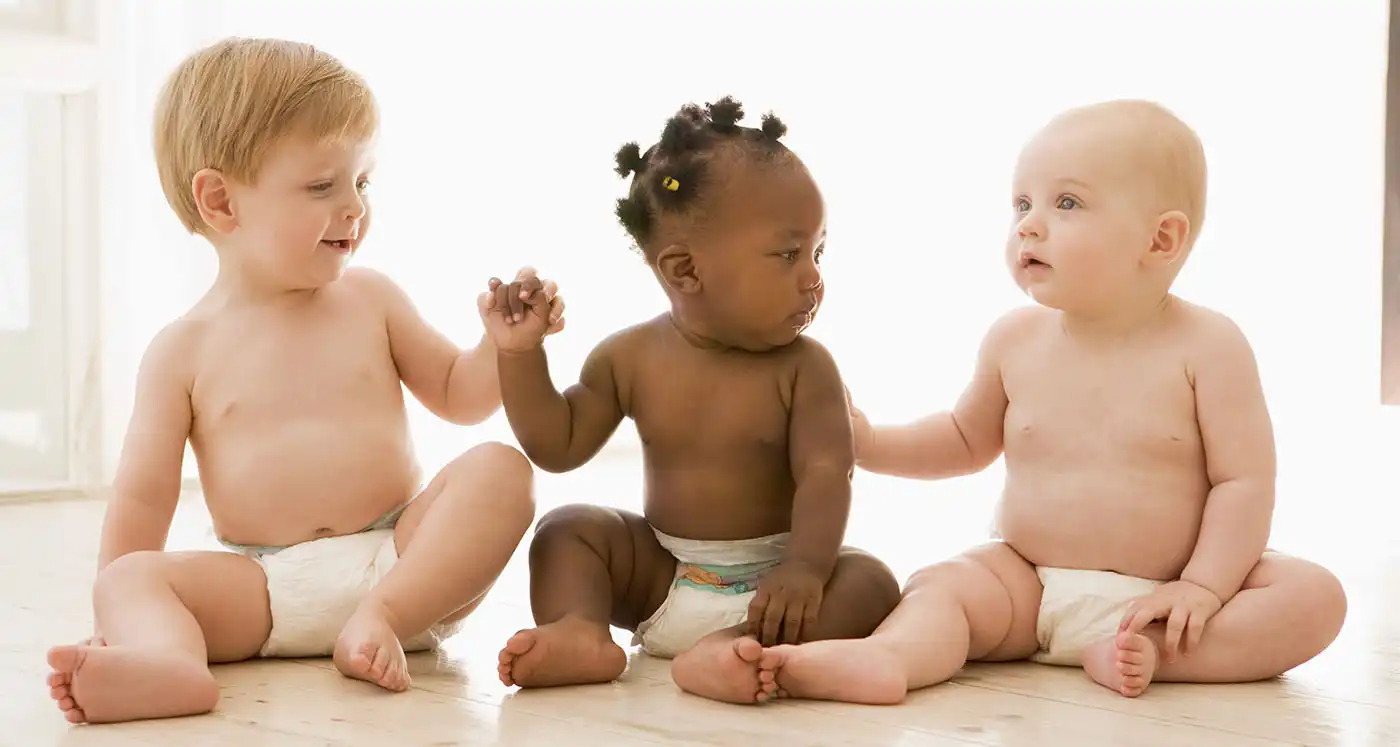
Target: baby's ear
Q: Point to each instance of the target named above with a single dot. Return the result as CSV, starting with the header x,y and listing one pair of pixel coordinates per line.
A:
x,y
1169,240
676,266
211,195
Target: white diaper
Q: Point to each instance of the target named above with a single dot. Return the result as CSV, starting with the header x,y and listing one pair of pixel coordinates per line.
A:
x,y
713,586
314,587
1080,608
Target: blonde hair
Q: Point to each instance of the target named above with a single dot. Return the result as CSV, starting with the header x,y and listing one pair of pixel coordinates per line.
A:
x,y
1164,147
226,105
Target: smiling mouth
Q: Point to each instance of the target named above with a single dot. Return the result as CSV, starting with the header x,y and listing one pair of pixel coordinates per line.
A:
x,y
340,245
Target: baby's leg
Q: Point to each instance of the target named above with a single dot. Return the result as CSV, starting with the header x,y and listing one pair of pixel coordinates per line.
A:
x,y
164,617
453,542
1288,611
589,566
726,665
980,606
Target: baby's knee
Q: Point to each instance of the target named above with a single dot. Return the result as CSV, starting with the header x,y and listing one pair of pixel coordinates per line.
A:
x,y
498,463
571,523
872,575
133,568
503,469
1321,592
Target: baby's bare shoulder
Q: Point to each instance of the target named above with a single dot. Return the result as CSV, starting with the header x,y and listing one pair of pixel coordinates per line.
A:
x,y
1206,332
366,287
1014,329
173,353
1023,321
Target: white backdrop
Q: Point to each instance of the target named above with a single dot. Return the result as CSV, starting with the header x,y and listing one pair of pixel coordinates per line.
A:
x,y
500,124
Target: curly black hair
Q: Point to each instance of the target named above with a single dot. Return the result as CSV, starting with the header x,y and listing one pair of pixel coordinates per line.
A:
x,y
670,176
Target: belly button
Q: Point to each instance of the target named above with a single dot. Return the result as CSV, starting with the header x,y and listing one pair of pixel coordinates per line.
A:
x,y
324,532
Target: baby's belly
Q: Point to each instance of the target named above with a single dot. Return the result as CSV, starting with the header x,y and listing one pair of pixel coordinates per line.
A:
x,y
305,480
717,501
1136,524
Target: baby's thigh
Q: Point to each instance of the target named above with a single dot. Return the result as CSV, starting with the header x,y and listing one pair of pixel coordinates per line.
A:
x,y
862,591
998,592
226,593
573,543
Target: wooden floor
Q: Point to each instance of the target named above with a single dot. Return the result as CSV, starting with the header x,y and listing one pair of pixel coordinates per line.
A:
x,y
1348,696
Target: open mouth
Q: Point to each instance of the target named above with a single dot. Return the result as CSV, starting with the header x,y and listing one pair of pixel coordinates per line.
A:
x,y
340,245
1031,262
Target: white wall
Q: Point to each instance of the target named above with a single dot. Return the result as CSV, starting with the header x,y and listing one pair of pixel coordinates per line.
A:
x,y
500,125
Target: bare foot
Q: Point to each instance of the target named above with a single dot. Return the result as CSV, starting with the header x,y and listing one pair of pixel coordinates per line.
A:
x,y
1124,664
849,671
725,670
102,684
568,651
368,650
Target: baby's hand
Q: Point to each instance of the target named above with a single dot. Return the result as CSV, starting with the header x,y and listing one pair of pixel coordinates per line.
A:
x,y
518,315
786,604
864,431
1185,606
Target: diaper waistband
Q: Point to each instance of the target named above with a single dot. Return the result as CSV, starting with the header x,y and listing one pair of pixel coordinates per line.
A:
x,y
765,550
389,520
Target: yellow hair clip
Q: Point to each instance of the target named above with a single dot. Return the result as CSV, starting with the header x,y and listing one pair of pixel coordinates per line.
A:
x,y
670,184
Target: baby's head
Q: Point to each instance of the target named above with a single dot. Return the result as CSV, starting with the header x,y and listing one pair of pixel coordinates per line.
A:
x,y
264,147
1108,200
732,224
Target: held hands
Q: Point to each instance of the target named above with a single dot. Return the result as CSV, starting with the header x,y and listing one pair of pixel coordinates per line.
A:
x,y
1185,606
786,605
520,314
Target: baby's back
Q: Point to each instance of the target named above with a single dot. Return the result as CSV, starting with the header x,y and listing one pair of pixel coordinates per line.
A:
x,y
714,432
1104,458
299,424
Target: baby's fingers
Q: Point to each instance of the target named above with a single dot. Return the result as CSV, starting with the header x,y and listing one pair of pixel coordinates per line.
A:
x,y
1195,627
529,287
1140,614
511,303
1176,625
792,623
773,620
757,607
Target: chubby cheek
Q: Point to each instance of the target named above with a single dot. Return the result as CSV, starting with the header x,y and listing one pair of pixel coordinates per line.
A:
x,y
365,222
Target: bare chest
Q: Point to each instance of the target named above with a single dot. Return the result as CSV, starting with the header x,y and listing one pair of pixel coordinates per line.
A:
x,y
696,404
313,365
1130,406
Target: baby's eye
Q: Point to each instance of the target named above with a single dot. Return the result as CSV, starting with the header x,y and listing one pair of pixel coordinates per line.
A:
x,y
1068,203
817,255
790,255
1023,205
322,187
362,185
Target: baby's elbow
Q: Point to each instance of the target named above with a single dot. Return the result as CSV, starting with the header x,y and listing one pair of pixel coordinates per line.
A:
x,y
553,462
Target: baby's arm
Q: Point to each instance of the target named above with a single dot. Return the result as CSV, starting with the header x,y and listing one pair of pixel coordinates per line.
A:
x,y
822,458
1240,461
458,386
560,432
147,485
961,441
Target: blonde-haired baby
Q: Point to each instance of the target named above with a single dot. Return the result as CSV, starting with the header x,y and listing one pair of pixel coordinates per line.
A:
x,y
287,379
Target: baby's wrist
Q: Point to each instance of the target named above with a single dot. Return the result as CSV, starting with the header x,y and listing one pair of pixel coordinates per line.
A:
x,y
1206,588
503,351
